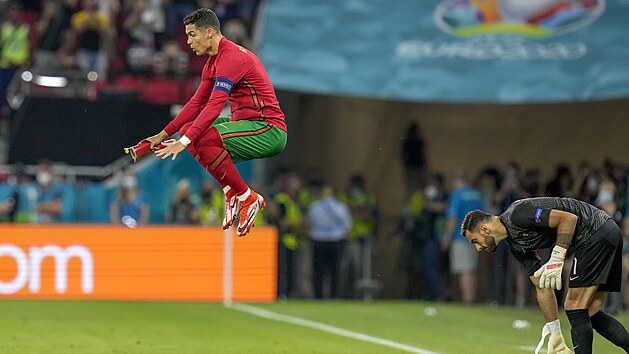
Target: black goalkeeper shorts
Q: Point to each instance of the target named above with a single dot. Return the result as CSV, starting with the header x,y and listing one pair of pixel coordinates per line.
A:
x,y
598,261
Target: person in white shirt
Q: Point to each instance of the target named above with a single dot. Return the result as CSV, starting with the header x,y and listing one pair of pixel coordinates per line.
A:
x,y
329,221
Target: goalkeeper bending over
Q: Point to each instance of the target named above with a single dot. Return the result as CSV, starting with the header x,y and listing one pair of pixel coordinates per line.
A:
x,y
538,223
257,127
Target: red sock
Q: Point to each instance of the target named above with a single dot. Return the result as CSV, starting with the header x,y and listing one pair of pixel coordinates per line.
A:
x,y
217,161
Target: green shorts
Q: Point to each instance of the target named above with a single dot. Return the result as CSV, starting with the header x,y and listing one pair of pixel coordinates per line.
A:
x,y
250,139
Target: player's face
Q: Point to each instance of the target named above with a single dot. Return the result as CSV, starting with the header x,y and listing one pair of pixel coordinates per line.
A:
x,y
481,240
199,39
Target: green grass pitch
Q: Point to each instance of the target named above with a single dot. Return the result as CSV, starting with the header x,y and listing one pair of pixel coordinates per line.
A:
x,y
167,327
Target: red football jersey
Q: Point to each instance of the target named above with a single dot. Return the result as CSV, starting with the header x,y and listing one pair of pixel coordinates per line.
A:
x,y
237,75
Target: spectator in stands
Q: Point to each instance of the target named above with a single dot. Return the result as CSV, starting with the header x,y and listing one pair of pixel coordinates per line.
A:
x,y
363,207
225,9
531,183
8,206
49,195
414,157
329,221
463,257
14,49
175,10
561,184
211,204
171,61
25,195
53,29
606,200
236,31
586,183
421,246
184,208
141,23
285,212
130,207
505,267
94,31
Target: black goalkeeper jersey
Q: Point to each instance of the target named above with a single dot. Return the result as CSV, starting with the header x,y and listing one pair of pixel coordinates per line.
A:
x,y
526,222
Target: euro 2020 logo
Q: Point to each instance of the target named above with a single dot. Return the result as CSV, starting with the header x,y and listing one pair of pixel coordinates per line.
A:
x,y
531,18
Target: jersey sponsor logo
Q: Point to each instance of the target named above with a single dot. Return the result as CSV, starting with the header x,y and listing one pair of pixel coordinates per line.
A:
x,y
538,215
223,84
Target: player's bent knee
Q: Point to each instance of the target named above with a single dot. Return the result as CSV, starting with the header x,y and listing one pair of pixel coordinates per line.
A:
x,y
211,137
575,303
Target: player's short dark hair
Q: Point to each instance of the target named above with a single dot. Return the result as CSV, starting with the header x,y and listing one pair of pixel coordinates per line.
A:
x,y
473,219
203,18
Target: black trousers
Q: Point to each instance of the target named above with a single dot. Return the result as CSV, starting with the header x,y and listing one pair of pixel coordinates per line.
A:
x,y
326,263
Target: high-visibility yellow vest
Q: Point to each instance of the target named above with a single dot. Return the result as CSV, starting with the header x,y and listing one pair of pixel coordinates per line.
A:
x,y
212,212
362,226
416,204
14,45
293,218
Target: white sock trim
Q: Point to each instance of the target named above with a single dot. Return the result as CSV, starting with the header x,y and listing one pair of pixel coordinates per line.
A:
x,y
226,189
244,196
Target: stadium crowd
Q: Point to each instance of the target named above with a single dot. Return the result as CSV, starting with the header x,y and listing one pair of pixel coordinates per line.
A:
x,y
436,262
327,231
124,45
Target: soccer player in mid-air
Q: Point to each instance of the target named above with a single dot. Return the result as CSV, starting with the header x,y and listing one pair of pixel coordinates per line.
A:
x,y
540,223
257,127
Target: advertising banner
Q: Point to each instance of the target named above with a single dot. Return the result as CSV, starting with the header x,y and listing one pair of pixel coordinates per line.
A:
x,y
510,51
147,263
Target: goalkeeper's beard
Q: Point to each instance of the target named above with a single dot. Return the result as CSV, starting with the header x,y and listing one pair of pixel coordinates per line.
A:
x,y
490,241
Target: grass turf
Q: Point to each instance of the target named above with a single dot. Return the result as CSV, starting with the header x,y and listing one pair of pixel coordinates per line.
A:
x,y
159,327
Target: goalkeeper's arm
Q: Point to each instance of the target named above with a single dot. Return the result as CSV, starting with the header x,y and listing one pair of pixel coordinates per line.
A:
x,y
565,223
546,300
550,273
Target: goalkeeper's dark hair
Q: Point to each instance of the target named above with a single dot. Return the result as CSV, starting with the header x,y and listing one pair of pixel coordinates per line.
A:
x,y
473,219
203,18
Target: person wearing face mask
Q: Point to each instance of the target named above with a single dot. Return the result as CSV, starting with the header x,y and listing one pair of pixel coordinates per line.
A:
x,y
130,208
532,224
421,244
49,195
606,200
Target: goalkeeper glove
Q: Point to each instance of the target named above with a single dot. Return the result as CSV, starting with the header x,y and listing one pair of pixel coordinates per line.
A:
x,y
557,345
556,342
550,273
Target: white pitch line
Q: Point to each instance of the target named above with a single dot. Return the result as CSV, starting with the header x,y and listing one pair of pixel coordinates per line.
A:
x,y
327,328
528,348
